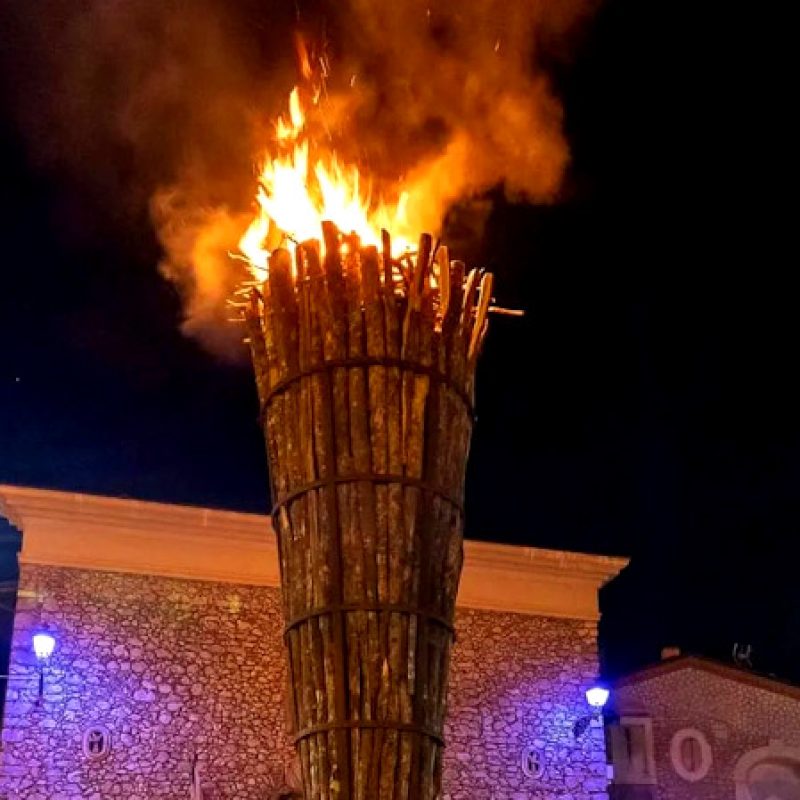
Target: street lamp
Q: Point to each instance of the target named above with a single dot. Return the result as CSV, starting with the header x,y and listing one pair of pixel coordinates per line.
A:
x,y
44,644
596,696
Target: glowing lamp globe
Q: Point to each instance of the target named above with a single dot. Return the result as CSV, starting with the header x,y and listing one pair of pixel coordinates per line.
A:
x,y
597,697
43,645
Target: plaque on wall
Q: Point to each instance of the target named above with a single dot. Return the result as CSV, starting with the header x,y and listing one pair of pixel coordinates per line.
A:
x,y
96,742
532,762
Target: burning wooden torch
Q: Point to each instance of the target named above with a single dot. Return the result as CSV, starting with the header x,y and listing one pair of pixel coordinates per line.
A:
x,y
365,364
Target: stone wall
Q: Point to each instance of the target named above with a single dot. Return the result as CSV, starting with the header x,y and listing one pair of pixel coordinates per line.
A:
x,y
176,667
518,682
734,716
170,667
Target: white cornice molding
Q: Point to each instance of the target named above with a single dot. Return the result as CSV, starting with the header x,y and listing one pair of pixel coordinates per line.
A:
x,y
85,531
20,502
557,562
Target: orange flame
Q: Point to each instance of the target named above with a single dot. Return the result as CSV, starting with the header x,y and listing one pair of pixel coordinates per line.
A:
x,y
306,184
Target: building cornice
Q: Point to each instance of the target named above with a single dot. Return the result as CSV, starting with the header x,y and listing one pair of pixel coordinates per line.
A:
x,y
83,531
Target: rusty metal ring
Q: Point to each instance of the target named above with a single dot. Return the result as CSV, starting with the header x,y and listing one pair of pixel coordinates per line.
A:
x,y
367,477
392,608
402,727
371,361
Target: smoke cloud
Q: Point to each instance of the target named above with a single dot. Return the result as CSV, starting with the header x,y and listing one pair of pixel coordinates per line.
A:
x,y
163,108
453,97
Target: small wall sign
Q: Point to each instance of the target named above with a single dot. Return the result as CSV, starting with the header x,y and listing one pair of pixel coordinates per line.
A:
x,y
96,742
532,762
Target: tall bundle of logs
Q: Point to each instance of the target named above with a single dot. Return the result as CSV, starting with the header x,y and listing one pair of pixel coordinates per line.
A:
x,y
365,367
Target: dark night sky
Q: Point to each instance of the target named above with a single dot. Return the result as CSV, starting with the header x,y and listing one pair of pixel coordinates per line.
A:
x,y
645,406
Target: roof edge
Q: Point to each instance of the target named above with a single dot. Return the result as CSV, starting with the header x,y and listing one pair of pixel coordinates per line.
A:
x,y
719,668
19,502
62,529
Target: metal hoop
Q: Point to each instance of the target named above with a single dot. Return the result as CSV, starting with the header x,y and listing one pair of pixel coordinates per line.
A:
x,y
389,608
367,477
371,361
402,727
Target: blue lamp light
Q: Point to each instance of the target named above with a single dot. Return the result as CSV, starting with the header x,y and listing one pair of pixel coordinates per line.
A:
x,y
43,645
597,697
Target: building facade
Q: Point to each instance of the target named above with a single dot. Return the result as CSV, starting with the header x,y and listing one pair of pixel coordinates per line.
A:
x,y
690,728
168,660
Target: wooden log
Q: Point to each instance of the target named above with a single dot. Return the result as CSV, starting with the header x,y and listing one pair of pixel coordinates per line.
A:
x,y
398,752
368,542
332,325
424,463
318,630
285,309
443,277
374,323
363,520
328,522
479,326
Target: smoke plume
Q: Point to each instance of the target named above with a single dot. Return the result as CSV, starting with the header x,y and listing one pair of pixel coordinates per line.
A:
x,y
164,107
453,97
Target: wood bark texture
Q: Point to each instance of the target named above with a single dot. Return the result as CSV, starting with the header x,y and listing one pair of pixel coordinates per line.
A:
x,y
365,370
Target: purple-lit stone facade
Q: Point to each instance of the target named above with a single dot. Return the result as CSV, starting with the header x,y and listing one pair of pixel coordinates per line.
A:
x,y
169,667
752,734
176,667
519,681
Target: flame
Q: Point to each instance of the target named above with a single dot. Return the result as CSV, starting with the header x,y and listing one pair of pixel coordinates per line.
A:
x,y
302,184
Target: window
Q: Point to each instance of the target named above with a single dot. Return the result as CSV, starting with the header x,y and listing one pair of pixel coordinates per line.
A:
x,y
632,750
690,754
772,771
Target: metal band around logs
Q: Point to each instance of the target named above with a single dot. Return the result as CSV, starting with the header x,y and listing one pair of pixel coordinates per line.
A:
x,y
387,608
372,724
371,361
367,477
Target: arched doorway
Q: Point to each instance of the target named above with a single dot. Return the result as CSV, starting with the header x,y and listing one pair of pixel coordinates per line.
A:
x,y
769,773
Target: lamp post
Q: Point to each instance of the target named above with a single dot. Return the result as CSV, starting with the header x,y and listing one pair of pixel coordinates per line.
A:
x,y
43,646
596,697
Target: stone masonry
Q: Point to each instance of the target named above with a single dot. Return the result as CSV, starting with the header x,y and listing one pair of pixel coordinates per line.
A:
x,y
519,682
169,667
175,667
168,631
745,719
